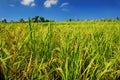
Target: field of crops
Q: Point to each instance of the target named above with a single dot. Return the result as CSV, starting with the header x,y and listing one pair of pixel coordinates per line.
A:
x,y
60,50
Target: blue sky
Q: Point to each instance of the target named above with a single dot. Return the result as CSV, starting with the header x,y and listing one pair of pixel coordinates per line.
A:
x,y
59,10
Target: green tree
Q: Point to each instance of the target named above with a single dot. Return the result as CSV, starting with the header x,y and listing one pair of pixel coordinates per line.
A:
x,y
108,19
33,20
69,20
4,21
47,20
117,18
11,21
102,19
22,20
36,18
42,19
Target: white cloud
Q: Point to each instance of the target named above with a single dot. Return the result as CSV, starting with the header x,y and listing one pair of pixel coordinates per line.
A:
x,y
28,3
33,4
12,5
64,4
49,3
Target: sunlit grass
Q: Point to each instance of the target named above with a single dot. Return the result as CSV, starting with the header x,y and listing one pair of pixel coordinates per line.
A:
x,y
65,51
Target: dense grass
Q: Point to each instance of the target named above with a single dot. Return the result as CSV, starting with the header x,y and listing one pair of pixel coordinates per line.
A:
x,y
60,51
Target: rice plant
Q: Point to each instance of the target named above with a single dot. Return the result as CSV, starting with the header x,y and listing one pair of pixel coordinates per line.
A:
x,y
60,51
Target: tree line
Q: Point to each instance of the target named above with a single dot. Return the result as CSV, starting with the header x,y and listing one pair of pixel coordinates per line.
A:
x,y
37,19
102,19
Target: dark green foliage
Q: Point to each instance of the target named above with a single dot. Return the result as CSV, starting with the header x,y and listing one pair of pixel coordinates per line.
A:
x,y
22,20
42,19
4,21
117,18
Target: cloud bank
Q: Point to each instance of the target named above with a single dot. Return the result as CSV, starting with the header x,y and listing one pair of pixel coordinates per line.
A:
x,y
49,3
28,3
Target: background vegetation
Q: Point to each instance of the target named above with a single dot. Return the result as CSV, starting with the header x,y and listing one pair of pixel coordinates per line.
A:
x,y
37,19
